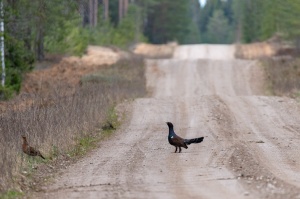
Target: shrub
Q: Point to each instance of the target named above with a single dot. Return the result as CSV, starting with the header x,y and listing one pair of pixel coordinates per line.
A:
x,y
68,37
18,60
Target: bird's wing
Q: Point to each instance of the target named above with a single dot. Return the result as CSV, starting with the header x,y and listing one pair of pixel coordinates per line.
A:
x,y
33,151
177,141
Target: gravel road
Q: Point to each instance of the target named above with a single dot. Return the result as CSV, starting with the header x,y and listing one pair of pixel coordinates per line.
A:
x,y
251,140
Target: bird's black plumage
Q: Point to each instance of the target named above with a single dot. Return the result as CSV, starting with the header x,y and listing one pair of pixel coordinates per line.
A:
x,y
179,142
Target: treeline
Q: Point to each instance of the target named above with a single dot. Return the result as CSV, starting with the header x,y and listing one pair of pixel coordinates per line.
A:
x,y
217,22
169,20
67,26
262,19
249,20
36,27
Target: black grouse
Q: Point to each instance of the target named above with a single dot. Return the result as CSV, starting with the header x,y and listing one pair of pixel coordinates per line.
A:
x,y
179,142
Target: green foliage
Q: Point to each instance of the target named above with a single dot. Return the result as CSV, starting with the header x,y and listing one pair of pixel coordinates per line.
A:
x,y
114,12
289,24
269,19
170,21
128,29
6,93
217,22
218,29
72,39
69,38
237,14
193,35
207,12
18,60
57,28
112,119
251,20
263,19
61,27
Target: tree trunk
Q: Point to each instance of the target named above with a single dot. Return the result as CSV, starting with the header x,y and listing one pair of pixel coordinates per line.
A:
x,y
93,12
84,12
121,10
27,40
106,9
39,43
125,7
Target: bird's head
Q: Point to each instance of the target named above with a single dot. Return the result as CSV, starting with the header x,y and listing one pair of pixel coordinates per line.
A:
x,y
24,138
170,125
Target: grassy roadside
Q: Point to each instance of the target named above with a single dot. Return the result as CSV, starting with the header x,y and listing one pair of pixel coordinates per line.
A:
x,y
66,128
283,74
90,140
84,144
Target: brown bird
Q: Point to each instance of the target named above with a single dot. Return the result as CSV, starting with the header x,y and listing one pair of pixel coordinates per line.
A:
x,y
30,150
179,142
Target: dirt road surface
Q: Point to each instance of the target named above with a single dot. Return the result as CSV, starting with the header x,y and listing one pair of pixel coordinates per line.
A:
x,y
251,146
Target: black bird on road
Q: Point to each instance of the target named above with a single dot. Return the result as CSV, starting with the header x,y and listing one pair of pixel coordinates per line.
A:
x,y
179,142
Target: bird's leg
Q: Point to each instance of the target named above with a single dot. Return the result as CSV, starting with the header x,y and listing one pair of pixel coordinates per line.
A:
x,y
179,149
175,149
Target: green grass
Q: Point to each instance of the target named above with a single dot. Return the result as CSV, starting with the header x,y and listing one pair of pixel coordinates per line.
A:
x,y
11,194
83,145
54,152
112,121
89,141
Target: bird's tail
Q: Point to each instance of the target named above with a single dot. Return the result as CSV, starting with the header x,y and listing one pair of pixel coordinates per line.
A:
x,y
195,140
39,154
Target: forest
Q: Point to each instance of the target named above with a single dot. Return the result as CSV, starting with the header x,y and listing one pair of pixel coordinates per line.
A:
x,y
67,119
37,27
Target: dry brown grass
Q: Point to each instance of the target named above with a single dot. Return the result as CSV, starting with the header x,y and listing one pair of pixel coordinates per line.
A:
x,y
54,124
283,74
65,74
255,50
155,51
